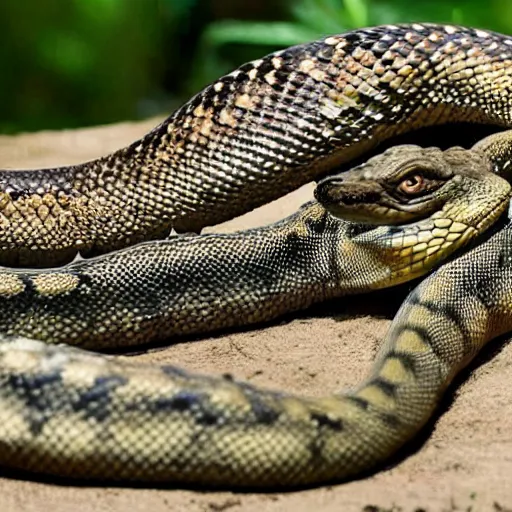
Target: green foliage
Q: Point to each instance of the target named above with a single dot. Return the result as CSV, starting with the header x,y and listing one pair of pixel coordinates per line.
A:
x,y
77,62
310,19
71,63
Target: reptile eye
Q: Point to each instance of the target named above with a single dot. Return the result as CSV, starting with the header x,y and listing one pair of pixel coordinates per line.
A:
x,y
412,185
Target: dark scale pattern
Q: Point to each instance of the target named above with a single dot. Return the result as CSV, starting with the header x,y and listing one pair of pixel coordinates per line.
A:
x,y
191,285
253,135
64,411
257,133
186,285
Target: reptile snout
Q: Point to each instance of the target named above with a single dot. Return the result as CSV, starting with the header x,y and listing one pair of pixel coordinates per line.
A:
x,y
337,191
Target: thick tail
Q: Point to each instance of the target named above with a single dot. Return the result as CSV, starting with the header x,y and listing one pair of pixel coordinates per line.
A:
x,y
68,412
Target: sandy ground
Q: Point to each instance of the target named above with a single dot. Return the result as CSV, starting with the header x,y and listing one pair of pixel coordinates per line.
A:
x,y
462,462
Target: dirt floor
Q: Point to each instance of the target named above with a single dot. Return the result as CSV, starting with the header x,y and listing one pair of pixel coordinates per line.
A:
x,y
462,462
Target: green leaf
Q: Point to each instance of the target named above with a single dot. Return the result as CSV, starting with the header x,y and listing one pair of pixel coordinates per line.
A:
x,y
357,11
261,33
322,16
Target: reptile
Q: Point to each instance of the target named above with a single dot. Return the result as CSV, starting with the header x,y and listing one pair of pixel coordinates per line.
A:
x,y
67,412
196,284
264,129
253,135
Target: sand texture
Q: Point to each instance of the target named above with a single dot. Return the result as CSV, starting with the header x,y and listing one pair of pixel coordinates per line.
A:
x,y
462,462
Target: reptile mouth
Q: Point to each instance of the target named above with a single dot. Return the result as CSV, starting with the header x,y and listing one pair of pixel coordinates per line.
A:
x,y
469,234
486,219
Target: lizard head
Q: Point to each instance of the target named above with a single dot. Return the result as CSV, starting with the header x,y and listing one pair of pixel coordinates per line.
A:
x,y
408,183
424,204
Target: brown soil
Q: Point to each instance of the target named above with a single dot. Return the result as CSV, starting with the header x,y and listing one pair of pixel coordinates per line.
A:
x,y
462,462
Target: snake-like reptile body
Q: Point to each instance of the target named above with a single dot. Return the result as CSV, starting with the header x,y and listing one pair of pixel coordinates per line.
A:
x,y
263,130
67,412
253,135
190,285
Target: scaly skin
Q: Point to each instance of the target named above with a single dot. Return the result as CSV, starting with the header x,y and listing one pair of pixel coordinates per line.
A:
x,y
191,285
256,134
275,124
64,411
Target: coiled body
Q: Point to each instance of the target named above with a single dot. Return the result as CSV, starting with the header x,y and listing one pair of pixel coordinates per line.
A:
x,y
253,135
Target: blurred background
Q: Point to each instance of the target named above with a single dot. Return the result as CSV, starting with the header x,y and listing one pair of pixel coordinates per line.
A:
x,y
70,63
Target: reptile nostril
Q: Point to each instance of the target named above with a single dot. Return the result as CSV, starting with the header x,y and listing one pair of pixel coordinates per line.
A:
x,y
322,191
325,187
